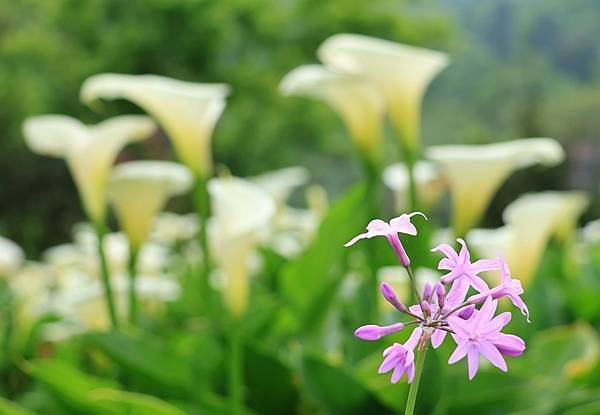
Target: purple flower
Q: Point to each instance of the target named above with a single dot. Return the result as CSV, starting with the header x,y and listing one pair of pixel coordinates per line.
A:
x,y
388,293
508,287
480,335
461,268
401,358
401,224
372,332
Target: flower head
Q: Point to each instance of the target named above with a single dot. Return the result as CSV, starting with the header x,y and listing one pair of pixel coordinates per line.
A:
x,y
401,224
188,111
401,358
460,266
480,335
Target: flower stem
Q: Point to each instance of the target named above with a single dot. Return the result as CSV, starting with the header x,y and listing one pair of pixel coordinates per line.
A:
x,y
108,293
236,372
413,283
132,270
202,206
414,387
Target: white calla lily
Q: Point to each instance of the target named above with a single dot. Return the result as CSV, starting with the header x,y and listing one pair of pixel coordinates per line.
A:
x,y
241,212
475,172
430,183
356,100
531,221
11,257
401,72
282,182
88,150
188,111
139,190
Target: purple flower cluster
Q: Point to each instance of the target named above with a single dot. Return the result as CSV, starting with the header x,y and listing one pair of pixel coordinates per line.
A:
x,y
445,307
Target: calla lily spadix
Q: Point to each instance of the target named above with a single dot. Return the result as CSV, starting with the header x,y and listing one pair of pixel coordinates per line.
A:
x,y
139,190
475,172
401,72
188,111
11,257
88,150
241,212
356,100
430,183
531,221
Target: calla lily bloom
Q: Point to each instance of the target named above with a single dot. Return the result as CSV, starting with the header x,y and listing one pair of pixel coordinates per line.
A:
x,y
11,257
401,72
88,150
356,100
188,111
530,222
139,190
430,183
282,182
475,172
242,211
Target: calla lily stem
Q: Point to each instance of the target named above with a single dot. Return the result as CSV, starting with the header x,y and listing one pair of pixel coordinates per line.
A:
x,y
108,293
132,270
236,372
202,206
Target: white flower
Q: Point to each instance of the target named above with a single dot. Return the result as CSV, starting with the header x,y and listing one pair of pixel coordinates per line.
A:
x,y
359,104
531,221
241,212
401,73
591,232
138,191
188,111
282,182
430,184
475,172
88,150
170,228
11,257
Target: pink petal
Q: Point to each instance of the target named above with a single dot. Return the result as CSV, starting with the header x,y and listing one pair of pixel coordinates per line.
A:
x,y
397,374
464,256
356,239
492,354
459,353
496,324
509,345
457,293
414,339
411,373
518,302
437,338
402,224
448,251
477,282
472,360
380,226
485,314
459,326
482,265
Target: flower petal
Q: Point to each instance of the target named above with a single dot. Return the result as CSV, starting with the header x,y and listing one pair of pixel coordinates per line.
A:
x,y
489,351
472,360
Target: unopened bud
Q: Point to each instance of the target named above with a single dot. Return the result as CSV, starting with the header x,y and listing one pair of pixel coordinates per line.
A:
x,y
441,295
388,293
427,292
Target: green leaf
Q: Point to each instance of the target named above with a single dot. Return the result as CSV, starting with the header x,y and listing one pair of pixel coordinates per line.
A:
x,y
309,283
337,391
9,408
70,385
146,357
134,403
271,390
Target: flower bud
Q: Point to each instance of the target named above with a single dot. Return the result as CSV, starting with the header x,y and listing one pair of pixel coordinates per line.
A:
x,y
373,332
440,292
426,308
466,312
427,292
388,293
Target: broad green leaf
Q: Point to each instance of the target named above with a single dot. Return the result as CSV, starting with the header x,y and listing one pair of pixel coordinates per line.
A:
x,y
147,357
70,385
9,408
310,282
134,403
337,391
271,389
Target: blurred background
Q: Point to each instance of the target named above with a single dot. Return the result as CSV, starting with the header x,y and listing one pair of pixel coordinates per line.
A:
x,y
518,69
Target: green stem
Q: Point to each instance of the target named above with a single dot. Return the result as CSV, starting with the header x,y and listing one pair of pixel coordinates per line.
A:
x,y
236,372
414,387
413,283
9,322
132,270
108,293
202,206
